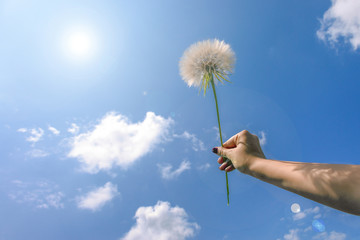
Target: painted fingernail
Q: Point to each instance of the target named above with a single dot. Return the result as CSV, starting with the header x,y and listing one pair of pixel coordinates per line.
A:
x,y
215,150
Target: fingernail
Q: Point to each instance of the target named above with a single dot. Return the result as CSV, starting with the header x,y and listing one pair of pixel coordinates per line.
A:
x,y
215,150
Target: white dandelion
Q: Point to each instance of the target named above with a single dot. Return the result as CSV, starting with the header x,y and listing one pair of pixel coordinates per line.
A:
x,y
205,58
201,64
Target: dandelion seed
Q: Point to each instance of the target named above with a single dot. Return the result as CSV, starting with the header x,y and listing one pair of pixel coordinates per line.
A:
x,y
205,58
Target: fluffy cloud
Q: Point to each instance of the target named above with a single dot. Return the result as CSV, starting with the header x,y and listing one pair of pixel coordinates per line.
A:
x,y
52,200
97,198
22,130
166,172
161,222
341,21
292,235
54,130
74,129
117,141
330,236
297,234
35,134
41,194
305,213
197,144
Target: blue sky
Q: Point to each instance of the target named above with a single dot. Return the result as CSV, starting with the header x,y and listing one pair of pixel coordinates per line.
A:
x,y
101,139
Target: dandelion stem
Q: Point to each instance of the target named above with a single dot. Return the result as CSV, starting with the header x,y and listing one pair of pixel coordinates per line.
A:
x,y
218,118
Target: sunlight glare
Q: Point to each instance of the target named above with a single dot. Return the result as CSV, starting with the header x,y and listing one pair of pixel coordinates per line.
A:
x,y
80,44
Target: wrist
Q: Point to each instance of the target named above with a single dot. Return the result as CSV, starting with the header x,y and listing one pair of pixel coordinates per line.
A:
x,y
248,168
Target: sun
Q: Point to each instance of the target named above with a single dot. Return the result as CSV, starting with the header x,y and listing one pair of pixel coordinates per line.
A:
x,y
80,44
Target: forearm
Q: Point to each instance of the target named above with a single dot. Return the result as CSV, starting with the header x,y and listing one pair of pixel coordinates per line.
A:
x,y
335,185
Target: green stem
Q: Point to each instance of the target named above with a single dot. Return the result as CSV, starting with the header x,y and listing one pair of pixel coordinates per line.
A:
x,y
218,118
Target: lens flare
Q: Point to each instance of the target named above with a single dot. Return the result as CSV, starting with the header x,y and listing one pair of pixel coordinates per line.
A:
x,y
295,208
318,225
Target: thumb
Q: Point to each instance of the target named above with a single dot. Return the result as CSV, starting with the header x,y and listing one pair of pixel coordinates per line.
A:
x,y
221,151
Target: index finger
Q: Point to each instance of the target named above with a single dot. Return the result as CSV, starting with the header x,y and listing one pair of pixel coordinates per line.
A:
x,y
230,143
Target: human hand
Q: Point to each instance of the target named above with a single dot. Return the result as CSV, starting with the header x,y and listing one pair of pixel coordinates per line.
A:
x,y
240,149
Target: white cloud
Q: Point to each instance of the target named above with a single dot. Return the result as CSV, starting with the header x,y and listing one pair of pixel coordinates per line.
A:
x,y
305,213
332,236
54,130
97,198
35,134
37,153
161,222
298,233
166,172
41,194
117,141
197,144
299,216
23,130
204,167
341,21
262,138
292,235
53,200
74,129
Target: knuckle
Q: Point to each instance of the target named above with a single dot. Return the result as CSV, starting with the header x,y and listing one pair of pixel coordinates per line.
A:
x,y
244,132
219,151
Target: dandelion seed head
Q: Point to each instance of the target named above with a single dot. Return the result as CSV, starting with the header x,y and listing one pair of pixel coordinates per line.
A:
x,y
205,57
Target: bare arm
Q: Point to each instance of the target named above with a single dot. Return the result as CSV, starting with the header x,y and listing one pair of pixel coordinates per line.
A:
x,y
334,185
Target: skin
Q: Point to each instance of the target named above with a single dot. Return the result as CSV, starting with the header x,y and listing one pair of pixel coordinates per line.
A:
x,y
334,185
